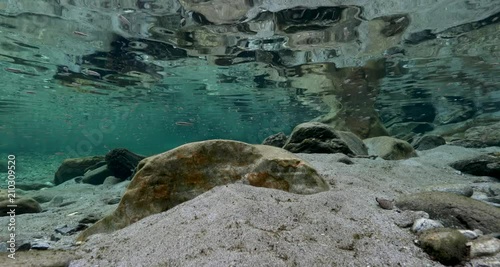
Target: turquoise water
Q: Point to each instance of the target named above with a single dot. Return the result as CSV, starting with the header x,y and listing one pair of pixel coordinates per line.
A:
x,y
83,77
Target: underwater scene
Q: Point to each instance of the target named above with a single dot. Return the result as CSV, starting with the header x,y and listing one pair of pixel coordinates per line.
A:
x,y
249,133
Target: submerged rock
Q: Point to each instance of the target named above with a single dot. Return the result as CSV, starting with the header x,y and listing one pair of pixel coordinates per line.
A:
x,y
316,137
484,246
385,204
97,176
459,189
71,168
483,165
424,224
480,136
448,246
428,142
23,205
277,140
168,179
453,210
122,162
389,148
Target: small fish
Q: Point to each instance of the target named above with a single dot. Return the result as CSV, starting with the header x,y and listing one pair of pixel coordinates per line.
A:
x,y
91,73
124,21
30,92
184,123
80,33
19,71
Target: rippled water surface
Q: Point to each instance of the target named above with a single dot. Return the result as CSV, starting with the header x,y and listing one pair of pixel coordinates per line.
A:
x,y
85,76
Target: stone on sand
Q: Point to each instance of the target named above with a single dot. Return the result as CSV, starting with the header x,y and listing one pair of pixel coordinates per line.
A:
x,y
24,204
168,179
73,167
454,210
389,148
316,137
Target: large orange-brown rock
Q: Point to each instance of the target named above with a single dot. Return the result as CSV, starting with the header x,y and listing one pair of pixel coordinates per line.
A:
x,y
168,179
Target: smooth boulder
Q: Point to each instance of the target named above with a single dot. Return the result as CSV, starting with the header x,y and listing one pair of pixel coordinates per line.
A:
x,y
23,204
483,165
316,137
71,168
168,179
389,148
453,210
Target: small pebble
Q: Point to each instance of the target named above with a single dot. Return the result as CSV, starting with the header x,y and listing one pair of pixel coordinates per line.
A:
x,y
423,224
469,234
385,203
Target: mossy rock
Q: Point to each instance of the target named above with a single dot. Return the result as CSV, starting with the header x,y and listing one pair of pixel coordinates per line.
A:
x,y
448,246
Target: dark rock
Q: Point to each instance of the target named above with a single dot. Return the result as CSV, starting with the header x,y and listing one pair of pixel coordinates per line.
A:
x,y
453,210
395,50
71,168
277,140
316,137
483,165
346,160
67,230
312,145
494,200
54,238
418,37
78,179
168,179
96,176
112,201
448,246
122,163
24,246
389,148
90,218
428,142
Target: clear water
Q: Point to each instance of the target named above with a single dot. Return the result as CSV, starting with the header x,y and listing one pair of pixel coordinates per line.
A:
x,y
81,77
